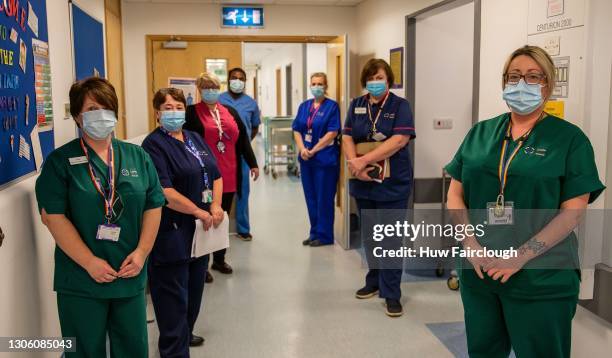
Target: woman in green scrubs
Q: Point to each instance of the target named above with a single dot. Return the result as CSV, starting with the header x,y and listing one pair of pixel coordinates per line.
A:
x,y
519,161
101,200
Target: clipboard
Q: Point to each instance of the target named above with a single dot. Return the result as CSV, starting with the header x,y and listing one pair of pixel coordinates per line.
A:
x,y
366,147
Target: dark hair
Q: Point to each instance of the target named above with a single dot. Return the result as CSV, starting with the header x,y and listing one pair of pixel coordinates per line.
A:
x,y
99,89
236,69
160,96
371,68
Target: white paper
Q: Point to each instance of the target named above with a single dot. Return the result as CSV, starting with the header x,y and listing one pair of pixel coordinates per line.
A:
x,y
215,239
32,19
24,148
36,149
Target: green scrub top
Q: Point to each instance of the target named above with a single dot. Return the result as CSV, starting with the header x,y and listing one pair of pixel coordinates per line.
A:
x,y
556,163
65,187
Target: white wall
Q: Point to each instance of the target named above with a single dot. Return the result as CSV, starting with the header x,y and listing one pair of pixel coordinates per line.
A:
x,y
316,61
443,86
141,19
27,300
382,27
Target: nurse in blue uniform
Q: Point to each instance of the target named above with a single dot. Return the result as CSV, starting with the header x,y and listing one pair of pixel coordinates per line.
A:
x,y
315,130
380,116
193,187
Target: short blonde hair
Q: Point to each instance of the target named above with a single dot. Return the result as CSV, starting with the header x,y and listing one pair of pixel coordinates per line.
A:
x,y
207,78
542,58
320,75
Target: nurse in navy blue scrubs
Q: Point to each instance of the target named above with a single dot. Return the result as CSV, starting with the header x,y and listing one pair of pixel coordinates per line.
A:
x,y
315,129
380,116
193,186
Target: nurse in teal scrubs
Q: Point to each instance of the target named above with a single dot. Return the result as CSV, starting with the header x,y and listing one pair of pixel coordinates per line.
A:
x,y
523,160
315,129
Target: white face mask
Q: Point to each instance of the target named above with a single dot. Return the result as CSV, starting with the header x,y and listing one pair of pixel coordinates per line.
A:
x,y
99,124
237,86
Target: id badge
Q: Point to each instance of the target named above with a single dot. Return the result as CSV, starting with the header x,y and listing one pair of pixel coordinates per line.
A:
x,y
108,232
500,216
379,137
207,196
308,138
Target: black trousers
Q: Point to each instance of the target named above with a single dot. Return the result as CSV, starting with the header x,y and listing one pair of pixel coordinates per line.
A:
x,y
226,205
176,291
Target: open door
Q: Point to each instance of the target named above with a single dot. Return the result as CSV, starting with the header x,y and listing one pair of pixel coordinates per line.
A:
x,y
338,81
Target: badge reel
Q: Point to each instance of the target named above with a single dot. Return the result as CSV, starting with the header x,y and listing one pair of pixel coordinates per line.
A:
x,y
501,212
207,196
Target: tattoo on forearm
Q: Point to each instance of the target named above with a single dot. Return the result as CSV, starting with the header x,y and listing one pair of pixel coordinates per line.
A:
x,y
533,245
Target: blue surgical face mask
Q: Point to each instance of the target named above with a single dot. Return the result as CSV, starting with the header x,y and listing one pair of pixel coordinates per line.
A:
x,y
210,96
523,98
99,124
172,120
317,91
376,88
237,86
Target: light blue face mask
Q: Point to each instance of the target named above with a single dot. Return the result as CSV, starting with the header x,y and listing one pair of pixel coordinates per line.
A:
x,y
210,96
317,91
523,98
237,86
172,120
376,88
99,124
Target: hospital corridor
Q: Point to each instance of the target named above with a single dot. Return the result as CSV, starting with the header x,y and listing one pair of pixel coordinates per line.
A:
x,y
305,178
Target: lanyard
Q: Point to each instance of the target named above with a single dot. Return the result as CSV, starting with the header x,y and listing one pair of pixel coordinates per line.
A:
x,y
313,112
505,160
109,197
217,118
191,148
379,112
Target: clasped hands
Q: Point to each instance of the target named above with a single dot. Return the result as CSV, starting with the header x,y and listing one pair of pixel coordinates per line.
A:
x,y
495,268
212,219
358,168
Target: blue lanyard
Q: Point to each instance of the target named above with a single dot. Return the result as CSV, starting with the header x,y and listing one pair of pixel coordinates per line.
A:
x,y
191,148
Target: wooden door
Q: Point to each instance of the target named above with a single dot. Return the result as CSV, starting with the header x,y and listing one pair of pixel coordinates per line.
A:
x,y
279,94
114,59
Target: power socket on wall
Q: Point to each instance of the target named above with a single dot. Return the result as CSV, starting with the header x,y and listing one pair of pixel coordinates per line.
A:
x,y
443,123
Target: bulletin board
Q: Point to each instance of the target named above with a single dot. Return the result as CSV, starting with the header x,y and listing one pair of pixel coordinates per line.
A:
x,y
88,42
26,108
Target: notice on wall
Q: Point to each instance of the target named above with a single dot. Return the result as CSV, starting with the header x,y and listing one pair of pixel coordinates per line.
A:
x,y
554,15
396,61
555,108
42,85
562,68
188,86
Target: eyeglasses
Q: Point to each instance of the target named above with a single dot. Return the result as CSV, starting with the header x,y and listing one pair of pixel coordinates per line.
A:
x,y
531,78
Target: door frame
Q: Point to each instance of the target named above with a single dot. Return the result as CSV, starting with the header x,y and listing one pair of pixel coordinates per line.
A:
x,y
149,39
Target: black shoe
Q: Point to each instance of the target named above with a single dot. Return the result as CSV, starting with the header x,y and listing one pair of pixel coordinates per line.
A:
x,y
394,308
317,243
366,292
209,278
222,267
196,341
245,237
306,242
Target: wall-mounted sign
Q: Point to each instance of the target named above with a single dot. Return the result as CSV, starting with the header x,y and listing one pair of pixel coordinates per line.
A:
x,y
554,15
218,67
562,66
396,61
555,108
242,17
188,86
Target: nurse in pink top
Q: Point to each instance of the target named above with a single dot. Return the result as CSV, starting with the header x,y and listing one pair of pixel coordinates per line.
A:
x,y
224,132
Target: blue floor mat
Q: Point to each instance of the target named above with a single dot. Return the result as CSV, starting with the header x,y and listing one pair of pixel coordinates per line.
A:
x,y
452,335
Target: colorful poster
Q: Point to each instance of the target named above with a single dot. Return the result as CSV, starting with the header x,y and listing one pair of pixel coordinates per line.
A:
x,y
188,85
396,61
42,85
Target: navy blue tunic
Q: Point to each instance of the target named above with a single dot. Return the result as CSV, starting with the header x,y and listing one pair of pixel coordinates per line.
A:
x,y
177,168
396,118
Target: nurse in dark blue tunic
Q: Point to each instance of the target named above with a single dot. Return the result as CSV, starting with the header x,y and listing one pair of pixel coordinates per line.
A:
x,y
193,187
315,130
380,116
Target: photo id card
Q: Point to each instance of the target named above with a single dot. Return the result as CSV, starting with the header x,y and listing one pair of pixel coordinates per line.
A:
x,y
207,196
108,232
379,137
502,215
308,138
